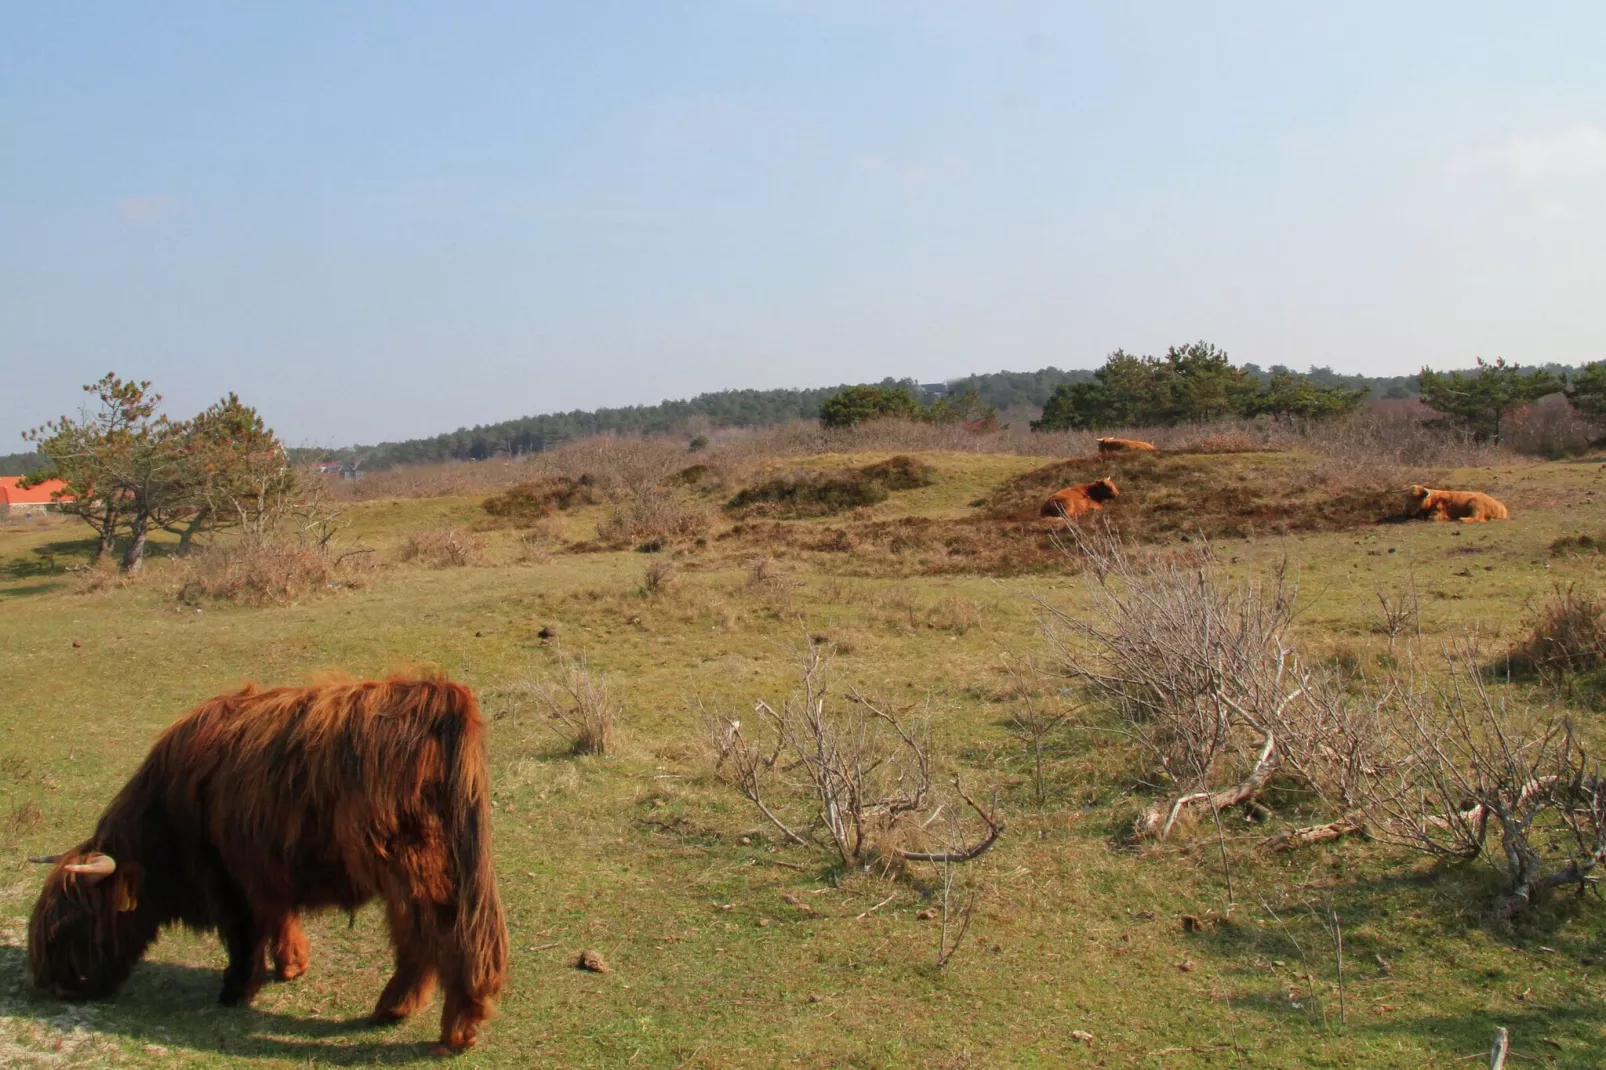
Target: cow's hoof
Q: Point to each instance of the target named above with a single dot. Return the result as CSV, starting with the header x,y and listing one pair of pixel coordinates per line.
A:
x,y
289,971
442,1050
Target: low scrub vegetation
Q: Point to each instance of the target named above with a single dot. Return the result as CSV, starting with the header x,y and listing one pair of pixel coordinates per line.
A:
x,y
537,499
1204,676
1170,494
442,547
1566,650
812,494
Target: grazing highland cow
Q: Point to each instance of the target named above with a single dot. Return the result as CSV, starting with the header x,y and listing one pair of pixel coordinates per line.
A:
x,y
1122,445
1082,498
1467,506
257,805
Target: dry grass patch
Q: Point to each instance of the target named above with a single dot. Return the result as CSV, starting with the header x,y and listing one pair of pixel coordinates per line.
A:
x,y
442,547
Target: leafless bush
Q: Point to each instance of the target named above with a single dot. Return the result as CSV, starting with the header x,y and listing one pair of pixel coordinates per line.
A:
x,y
1201,671
1477,768
1401,611
577,705
658,578
1033,720
287,552
1549,428
652,518
442,547
1568,639
850,772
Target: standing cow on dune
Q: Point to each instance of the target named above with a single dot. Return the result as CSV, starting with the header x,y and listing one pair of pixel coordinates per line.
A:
x,y
258,805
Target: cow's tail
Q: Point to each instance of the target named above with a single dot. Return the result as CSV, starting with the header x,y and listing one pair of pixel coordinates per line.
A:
x,y
481,931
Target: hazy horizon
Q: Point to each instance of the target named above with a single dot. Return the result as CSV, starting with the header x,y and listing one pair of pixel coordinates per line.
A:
x,y
386,222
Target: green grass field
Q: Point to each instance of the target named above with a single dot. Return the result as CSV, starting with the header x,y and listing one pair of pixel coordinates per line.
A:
x,y
665,870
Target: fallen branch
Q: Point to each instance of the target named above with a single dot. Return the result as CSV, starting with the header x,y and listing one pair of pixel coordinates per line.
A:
x,y
1293,839
1157,822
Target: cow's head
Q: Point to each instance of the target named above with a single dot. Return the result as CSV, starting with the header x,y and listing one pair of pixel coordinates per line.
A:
x,y
1419,492
1102,490
86,932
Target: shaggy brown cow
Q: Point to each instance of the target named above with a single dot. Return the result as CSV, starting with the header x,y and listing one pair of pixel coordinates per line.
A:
x,y
260,804
1082,498
1467,506
1122,445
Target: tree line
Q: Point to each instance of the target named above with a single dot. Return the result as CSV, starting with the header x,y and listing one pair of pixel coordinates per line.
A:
x,y
1185,385
129,469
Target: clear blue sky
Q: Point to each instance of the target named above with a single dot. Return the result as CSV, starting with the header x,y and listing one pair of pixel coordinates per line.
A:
x,y
384,220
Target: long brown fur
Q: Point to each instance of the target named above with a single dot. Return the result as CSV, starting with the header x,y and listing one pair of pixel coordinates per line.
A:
x,y
1082,498
1122,445
258,805
1467,506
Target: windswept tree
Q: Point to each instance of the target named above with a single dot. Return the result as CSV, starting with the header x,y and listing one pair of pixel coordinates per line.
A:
x,y
1478,400
129,469
90,453
235,470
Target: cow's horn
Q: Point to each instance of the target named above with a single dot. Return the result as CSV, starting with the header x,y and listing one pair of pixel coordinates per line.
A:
x,y
48,860
99,865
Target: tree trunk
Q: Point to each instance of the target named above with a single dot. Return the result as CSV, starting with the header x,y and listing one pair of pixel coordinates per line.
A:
x,y
108,532
134,556
187,537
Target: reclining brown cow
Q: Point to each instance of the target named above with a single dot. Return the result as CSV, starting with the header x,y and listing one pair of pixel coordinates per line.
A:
x,y
1467,506
1082,498
1123,445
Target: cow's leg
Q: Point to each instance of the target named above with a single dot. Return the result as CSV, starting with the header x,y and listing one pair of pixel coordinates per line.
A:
x,y
460,1017
465,1007
290,950
414,980
246,939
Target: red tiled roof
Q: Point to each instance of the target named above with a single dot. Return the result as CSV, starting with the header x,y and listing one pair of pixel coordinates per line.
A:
x,y
11,494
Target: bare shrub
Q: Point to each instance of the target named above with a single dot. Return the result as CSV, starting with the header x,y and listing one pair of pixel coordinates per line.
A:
x,y
850,772
291,551
658,578
1566,650
1569,636
257,573
1401,611
442,547
1481,771
1200,670
577,705
1549,428
652,518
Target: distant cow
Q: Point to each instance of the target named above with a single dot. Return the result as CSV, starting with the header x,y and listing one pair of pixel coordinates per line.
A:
x,y
1082,498
257,805
1467,506
1122,445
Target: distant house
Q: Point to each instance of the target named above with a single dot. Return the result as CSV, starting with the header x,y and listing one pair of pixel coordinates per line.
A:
x,y
17,500
934,388
352,471
327,468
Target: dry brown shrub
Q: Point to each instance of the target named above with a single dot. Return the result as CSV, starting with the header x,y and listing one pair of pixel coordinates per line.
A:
x,y
536,499
1568,643
443,547
1549,428
577,705
651,518
271,573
